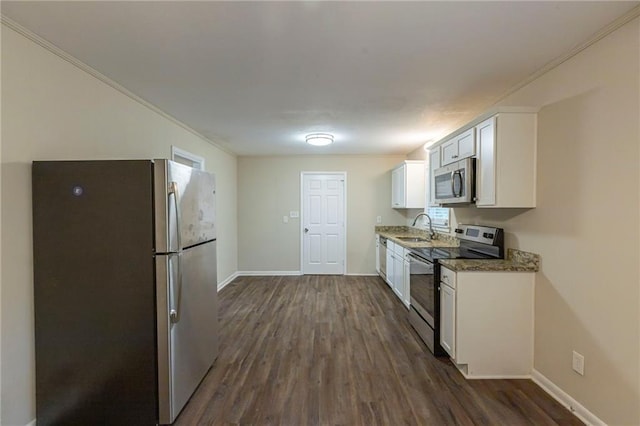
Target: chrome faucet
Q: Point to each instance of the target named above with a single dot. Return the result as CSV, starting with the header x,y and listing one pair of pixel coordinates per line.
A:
x,y
432,234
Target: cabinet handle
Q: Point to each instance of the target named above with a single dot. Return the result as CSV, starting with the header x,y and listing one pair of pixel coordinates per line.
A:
x,y
454,156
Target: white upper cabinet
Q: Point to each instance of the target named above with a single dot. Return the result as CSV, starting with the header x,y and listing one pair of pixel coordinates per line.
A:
x,y
398,189
459,147
506,161
504,143
407,185
432,165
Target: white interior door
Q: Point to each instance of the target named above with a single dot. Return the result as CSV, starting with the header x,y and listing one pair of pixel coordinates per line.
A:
x,y
323,223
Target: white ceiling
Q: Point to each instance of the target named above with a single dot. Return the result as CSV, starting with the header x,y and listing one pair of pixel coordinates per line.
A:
x,y
255,77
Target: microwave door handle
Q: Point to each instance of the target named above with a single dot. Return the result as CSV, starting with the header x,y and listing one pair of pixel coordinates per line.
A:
x,y
453,186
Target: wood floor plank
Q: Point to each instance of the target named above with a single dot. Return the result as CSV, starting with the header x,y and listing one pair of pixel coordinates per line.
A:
x,y
339,350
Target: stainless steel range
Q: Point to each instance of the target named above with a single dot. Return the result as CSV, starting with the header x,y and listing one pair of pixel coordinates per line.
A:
x,y
476,242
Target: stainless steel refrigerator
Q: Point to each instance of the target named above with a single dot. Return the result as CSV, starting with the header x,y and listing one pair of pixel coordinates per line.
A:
x,y
125,289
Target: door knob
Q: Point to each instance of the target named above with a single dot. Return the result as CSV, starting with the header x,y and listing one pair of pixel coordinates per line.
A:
x,y
306,230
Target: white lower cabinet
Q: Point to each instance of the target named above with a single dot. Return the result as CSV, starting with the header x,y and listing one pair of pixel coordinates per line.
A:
x,y
377,254
398,271
486,322
406,299
448,319
390,258
398,279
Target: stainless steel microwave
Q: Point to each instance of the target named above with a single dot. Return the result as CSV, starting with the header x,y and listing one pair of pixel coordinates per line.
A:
x,y
455,183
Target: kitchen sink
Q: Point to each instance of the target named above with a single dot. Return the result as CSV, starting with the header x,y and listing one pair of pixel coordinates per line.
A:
x,y
413,239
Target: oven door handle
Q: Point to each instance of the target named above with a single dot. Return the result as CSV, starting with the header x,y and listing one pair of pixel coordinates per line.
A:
x,y
419,260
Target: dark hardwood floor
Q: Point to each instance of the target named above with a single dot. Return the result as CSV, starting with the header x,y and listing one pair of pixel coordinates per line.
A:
x,y
339,350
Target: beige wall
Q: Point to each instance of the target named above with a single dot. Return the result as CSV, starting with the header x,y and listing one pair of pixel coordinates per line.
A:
x,y
1,240
269,187
53,110
585,225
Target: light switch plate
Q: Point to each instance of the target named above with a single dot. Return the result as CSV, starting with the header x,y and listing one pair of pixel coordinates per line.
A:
x,y
285,219
578,363
294,213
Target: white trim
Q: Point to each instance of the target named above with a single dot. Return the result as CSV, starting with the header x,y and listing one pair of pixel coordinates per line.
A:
x,y
362,275
227,281
496,376
344,194
566,400
267,273
95,73
622,20
31,423
195,159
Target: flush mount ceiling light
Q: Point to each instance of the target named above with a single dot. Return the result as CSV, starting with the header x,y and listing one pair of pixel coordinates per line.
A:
x,y
319,139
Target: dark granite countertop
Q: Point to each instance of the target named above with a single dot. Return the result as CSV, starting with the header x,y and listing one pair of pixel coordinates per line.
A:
x,y
516,261
393,232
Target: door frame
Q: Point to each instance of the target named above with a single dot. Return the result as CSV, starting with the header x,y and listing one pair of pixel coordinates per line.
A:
x,y
343,175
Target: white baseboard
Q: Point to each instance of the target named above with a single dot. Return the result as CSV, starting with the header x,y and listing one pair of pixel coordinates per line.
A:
x,y
565,399
280,273
230,278
267,273
31,423
497,376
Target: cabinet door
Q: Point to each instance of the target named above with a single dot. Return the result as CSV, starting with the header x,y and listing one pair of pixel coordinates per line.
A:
x,y
378,254
449,152
398,275
466,144
486,163
398,187
407,275
390,256
448,319
414,189
434,163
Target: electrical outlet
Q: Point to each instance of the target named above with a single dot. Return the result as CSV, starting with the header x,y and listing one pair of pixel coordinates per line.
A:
x,y
578,363
379,219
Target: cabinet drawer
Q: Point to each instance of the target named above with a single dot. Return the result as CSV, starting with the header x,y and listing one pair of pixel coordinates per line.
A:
x,y
448,277
406,253
391,246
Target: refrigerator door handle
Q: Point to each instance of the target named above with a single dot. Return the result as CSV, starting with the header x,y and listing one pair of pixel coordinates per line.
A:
x,y
173,190
175,299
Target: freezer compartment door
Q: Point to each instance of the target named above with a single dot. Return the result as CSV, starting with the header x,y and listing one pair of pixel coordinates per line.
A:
x,y
187,324
94,307
185,206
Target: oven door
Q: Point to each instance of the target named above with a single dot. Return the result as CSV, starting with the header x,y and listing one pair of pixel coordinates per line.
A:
x,y
421,288
454,184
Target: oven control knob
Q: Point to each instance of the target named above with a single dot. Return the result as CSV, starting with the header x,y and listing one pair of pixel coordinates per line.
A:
x,y
487,235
